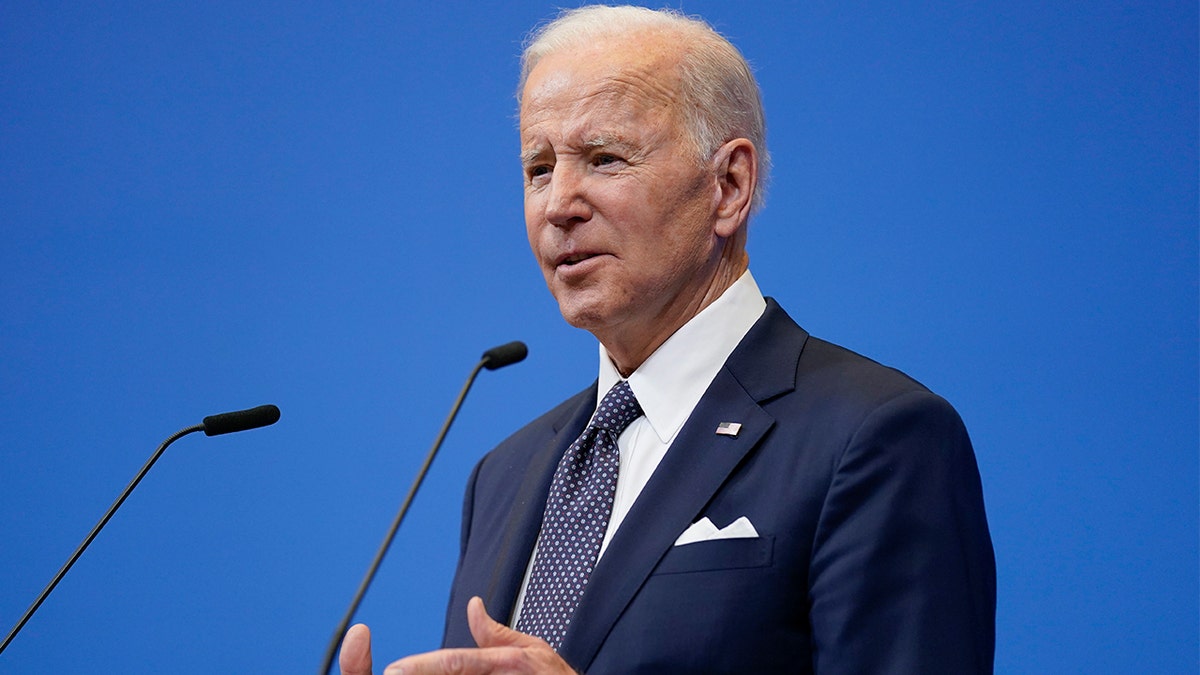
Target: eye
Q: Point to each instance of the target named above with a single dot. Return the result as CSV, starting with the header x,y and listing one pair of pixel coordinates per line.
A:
x,y
604,159
538,173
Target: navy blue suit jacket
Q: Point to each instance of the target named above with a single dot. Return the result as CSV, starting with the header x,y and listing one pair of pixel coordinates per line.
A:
x,y
873,555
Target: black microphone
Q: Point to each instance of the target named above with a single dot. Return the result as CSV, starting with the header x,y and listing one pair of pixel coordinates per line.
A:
x,y
492,359
241,420
505,355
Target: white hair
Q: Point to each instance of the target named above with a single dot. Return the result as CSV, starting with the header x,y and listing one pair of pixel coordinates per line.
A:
x,y
721,99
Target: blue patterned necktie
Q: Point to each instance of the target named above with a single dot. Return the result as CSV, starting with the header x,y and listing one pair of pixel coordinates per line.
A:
x,y
576,518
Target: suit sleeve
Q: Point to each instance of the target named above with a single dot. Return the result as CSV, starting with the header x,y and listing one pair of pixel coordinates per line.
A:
x,y
903,575
458,614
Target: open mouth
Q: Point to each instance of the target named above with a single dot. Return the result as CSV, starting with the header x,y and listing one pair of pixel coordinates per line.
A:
x,y
575,259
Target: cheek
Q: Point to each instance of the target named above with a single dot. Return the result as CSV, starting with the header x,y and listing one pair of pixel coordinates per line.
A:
x,y
533,221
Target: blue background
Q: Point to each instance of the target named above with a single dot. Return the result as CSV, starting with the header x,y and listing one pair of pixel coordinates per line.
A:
x,y
318,205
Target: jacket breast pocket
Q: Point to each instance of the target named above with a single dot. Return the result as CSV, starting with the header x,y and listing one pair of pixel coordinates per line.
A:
x,y
718,554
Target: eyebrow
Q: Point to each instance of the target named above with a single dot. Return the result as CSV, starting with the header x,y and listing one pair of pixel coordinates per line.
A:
x,y
529,156
601,141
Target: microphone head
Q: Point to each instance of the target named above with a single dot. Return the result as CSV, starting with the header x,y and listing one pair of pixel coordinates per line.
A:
x,y
240,420
505,355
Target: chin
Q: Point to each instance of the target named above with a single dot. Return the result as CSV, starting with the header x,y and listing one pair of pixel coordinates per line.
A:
x,y
583,320
583,312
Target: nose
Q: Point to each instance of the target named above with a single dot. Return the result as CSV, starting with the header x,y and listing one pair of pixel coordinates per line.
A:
x,y
566,199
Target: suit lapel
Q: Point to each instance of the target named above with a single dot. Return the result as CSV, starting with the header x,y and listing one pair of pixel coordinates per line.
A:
x,y
693,470
521,529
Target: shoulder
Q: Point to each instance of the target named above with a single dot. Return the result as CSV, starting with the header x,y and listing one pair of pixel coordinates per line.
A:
x,y
817,389
780,360
515,452
845,377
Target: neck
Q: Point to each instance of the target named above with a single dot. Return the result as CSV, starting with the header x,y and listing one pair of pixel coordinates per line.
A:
x,y
629,349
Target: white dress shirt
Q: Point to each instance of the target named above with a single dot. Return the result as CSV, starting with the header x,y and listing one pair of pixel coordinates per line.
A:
x,y
668,385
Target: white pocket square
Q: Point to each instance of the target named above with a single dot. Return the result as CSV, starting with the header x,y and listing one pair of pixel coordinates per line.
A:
x,y
704,530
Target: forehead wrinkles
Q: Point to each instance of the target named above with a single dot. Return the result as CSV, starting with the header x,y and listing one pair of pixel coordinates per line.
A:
x,y
651,86
626,100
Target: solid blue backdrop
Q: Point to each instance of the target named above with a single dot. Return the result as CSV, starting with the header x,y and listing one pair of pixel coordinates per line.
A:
x,y
318,205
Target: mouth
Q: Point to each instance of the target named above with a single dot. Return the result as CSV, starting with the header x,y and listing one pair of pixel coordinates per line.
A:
x,y
572,259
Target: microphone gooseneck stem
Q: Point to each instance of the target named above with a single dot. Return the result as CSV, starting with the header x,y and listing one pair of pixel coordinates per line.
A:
x,y
95,531
338,634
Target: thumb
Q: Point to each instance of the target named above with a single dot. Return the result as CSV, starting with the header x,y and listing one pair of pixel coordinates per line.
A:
x,y
488,633
355,658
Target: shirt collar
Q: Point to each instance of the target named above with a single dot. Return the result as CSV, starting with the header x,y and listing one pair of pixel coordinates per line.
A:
x,y
670,383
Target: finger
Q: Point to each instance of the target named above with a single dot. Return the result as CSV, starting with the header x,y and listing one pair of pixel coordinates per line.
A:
x,y
489,633
490,661
459,662
355,658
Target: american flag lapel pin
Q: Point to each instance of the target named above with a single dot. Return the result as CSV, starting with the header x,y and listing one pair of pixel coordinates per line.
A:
x,y
729,428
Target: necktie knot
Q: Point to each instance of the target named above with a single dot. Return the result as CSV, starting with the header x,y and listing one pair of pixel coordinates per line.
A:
x,y
618,409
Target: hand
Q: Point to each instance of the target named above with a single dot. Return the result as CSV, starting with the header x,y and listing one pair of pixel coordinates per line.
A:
x,y
355,658
502,651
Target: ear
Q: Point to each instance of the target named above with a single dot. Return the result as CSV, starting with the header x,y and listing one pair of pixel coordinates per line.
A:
x,y
736,165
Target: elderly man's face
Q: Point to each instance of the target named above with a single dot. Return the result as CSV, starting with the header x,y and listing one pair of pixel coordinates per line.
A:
x,y
618,208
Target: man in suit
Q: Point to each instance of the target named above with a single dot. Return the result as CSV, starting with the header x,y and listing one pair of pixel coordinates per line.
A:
x,y
731,495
